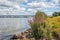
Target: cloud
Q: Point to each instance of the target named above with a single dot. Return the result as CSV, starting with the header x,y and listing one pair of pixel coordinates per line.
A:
x,y
7,7
41,4
25,6
33,4
31,10
55,1
19,1
48,6
22,0
11,11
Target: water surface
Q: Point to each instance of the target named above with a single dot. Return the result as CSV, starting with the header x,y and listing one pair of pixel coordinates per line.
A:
x,y
10,26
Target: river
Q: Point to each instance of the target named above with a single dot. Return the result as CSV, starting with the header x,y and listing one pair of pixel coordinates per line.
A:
x,y
9,26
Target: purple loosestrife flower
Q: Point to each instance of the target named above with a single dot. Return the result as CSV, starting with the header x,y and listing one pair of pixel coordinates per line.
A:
x,y
42,20
39,19
29,21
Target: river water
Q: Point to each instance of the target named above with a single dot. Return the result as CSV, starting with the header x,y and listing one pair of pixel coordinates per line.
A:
x,y
9,26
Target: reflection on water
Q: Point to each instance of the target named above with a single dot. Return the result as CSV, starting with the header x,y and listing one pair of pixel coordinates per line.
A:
x,y
10,26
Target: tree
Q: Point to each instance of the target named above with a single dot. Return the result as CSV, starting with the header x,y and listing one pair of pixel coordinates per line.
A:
x,y
56,14
55,24
38,25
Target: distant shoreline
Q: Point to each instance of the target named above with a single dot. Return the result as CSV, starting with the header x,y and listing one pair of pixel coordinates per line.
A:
x,y
16,16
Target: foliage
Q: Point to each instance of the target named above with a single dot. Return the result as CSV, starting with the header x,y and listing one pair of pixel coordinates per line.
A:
x,y
56,14
55,24
38,25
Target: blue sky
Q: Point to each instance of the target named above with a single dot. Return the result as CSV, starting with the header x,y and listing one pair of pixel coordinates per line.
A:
x,y
28,7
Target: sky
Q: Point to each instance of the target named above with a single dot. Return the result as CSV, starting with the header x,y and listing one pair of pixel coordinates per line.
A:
x,y
28,7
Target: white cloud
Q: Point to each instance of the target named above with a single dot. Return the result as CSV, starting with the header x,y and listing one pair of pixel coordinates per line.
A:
x,y
6,2
3,0
41,4
17,6
31,10
18,1
47,4
55,1
7,7
33,4
22,0
11,11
